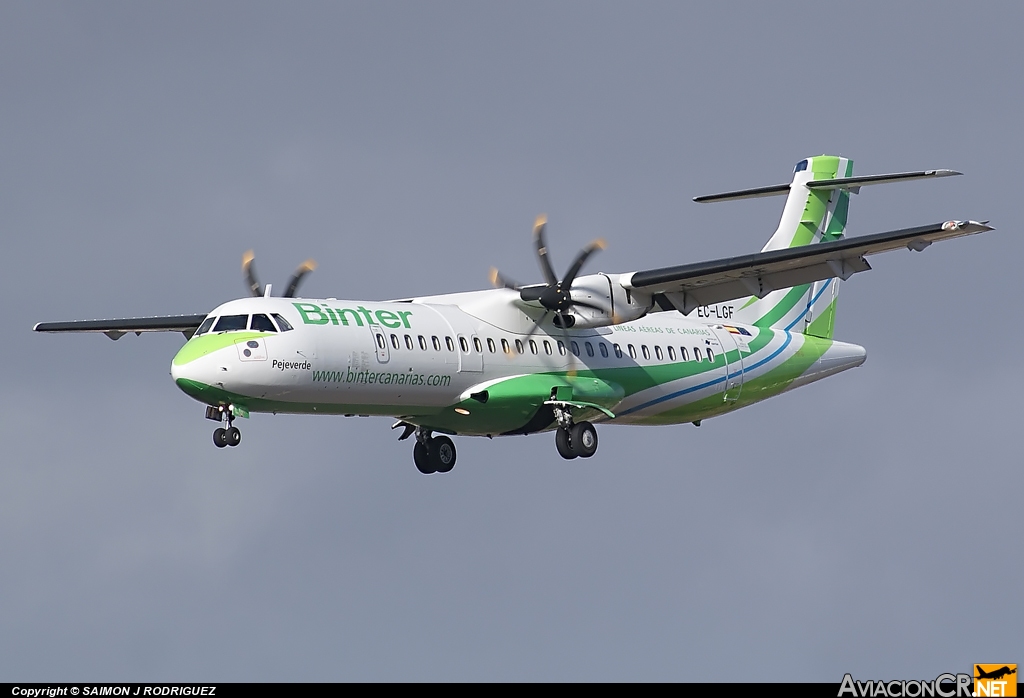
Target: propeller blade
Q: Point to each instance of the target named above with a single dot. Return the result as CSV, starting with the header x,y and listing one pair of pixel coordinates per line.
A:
x,y
250,274
293,283
499,281
542,249
532,293
536,325
581,258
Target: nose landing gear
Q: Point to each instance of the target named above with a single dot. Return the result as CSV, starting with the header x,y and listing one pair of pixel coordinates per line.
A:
x,y
222,437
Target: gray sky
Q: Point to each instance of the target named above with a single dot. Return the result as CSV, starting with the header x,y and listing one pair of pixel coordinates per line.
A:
x,y
869,523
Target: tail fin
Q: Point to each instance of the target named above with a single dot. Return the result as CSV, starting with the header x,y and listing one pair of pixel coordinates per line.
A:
x,y
810,216
817,205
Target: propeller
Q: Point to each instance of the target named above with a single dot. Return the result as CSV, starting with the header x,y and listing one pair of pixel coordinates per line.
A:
x,y
258,290
554,295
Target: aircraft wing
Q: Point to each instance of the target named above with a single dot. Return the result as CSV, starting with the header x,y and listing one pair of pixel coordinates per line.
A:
x,y
186,324
687,286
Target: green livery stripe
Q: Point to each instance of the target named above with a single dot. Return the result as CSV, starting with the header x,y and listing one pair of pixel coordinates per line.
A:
x,y
767,385
198,347
824,325
783,307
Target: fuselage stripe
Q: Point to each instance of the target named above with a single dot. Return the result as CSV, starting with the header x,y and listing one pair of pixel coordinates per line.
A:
x,y
672,396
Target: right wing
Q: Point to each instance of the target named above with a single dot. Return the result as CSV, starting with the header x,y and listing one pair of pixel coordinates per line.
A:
x,y
186,324
688,286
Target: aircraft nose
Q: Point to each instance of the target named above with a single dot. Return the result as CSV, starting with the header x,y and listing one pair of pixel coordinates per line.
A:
x,y
190,372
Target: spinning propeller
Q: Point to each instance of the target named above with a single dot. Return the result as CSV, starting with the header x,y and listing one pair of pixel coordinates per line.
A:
x,y
555,295
254,285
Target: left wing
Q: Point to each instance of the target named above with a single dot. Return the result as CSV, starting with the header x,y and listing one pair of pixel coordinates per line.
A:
x,y
186,324
687,286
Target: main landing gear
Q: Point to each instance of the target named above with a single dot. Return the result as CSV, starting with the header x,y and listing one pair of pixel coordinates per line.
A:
x,y
224,437
433,454
574,439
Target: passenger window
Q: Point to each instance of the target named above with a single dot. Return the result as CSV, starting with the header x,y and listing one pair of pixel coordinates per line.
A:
x,y
671,354
464,344
380,341
436,342
683,354
490,345
604,349
697,356
646,351
504,346
229,323
589,347
711,356
282,323
632,351
394,342
423,342
408,342
547,347
618,351
657,353
205,327
478,346
575,348
519,346
261,323
533,347
449,343
561,348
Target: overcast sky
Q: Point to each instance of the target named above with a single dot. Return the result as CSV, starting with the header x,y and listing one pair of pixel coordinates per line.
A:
x,y
870,523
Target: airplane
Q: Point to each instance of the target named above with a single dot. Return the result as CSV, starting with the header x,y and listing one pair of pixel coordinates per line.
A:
x,y
672,345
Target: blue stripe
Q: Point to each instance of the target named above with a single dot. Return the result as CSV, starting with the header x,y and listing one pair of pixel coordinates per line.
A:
x,y
808,308
672,396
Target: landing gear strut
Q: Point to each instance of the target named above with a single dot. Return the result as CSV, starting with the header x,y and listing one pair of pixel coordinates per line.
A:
x,y
433,454
222,437
574,439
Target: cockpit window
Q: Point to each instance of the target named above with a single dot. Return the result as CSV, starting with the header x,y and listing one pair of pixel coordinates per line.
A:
x,y
227,323
282,323
261,323
800,166
205,327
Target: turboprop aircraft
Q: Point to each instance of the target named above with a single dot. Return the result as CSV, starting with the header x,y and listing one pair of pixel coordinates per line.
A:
x,y
661,346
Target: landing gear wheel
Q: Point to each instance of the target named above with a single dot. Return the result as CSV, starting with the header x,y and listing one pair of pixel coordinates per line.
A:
x,y
220,437
584,439
233,437
421,456
564,444
442,454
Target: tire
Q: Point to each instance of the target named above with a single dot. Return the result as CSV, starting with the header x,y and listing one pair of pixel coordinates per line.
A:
x,y
442,454
421,457
584,439
564,444
233,436
220,437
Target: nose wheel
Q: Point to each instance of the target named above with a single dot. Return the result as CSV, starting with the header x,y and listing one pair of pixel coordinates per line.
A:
x,y
433,454
227,437
224,436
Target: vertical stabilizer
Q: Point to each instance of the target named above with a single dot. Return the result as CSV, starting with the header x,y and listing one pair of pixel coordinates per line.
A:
x,y
810,216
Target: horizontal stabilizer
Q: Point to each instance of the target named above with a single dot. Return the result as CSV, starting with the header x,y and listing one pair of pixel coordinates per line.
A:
x,y
849,183
855,183
186,324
